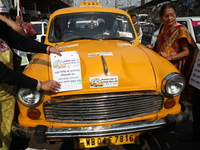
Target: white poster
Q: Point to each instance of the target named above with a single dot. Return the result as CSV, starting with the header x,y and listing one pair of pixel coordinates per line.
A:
x,y
66,70
195,75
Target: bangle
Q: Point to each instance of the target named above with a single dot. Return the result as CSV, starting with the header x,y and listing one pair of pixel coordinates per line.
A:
x,y
48,49
39,85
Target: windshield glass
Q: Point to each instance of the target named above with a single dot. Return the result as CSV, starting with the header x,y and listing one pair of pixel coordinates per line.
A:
x,y
92,25
196,27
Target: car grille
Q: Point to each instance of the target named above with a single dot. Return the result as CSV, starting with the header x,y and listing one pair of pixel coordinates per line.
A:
x,y
96,108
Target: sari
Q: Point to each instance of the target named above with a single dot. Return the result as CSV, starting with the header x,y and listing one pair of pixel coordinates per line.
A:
x,y
167,42
7,99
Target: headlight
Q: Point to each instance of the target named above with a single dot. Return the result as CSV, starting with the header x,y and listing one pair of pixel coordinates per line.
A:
x,y
30,97
173,84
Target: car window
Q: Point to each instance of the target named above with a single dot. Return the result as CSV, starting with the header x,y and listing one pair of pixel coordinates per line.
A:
x,y
91,25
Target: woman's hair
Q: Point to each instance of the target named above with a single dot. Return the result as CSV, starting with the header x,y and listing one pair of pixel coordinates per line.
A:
x,y
166,6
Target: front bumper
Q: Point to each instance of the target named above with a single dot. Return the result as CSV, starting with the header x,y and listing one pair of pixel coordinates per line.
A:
x,y
42,133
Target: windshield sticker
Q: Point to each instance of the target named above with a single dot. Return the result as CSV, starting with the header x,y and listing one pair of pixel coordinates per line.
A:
x,y
108,81
125,34
69,46
100,54
66,70
123,43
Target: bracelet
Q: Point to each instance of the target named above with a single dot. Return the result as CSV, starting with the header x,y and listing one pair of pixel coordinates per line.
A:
x,y
39,85
48,49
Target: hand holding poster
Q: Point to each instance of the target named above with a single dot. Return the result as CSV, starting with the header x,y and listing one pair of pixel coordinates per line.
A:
x,y
66,70
195,75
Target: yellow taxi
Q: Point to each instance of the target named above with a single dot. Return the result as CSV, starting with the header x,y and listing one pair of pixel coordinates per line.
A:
x,y
113,88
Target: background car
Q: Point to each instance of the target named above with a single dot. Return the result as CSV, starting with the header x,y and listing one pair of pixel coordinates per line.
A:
x,y
193,25
40,27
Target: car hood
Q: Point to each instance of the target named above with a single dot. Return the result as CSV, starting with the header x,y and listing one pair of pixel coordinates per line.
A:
x,y
124,61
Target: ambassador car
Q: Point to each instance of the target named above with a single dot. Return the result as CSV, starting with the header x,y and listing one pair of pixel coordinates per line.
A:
x,y
113,88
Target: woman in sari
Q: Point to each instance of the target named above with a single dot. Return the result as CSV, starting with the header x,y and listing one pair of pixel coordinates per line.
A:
x,y
174,42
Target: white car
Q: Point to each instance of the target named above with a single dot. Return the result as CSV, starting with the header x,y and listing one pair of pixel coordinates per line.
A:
x,y
40,27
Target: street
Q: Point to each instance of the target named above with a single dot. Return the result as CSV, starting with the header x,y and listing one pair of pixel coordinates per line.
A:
x,y
154,140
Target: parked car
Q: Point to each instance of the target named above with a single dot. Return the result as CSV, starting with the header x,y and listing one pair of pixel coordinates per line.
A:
x,y
40,27
193,25
113,88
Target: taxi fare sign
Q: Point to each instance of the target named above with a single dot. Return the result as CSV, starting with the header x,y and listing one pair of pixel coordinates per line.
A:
x,y
109,140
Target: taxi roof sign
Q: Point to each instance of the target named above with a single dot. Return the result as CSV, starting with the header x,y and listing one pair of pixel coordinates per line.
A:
x,y
90,4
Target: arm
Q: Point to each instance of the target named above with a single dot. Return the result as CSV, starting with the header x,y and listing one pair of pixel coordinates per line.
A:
x,y
15,78
15,40
13,24
18,79
185,51
177,56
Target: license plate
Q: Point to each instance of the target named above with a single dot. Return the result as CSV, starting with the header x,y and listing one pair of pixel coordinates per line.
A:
x,y
109,140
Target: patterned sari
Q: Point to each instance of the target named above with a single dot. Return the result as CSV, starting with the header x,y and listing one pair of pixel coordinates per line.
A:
x,y
167,42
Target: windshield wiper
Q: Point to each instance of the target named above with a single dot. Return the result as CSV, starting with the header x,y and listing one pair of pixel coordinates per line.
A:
x,y
80,38
123,39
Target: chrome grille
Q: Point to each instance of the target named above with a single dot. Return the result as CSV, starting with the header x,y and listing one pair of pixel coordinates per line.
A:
x,y
102,107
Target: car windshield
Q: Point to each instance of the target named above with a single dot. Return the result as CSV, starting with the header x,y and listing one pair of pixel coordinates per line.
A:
x,y
94,25
196,28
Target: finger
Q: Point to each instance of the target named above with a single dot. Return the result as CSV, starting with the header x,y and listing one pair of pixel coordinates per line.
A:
x,y
56,83
53,89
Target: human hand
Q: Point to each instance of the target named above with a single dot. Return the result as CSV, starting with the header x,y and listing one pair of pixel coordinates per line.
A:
x,y
149,46
50,85
168,57
56,50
